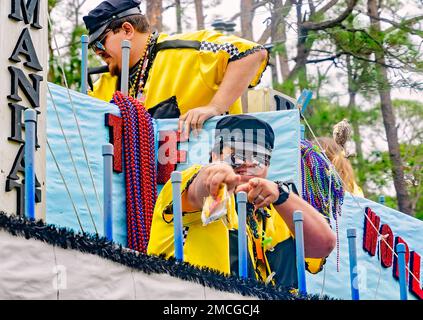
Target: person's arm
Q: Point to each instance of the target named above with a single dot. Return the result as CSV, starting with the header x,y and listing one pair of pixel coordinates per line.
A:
x,y
236,80
319,240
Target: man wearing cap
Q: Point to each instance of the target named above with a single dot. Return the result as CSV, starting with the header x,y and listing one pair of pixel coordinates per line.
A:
x,y
240,159
206,71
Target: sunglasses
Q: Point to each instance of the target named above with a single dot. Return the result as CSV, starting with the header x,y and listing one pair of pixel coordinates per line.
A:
x,y
99,44
239,159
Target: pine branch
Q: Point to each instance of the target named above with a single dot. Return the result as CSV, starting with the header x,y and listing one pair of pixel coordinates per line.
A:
x,y
308,25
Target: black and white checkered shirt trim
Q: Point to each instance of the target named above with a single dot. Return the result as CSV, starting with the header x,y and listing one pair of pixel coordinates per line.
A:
x,y
185,234
214,47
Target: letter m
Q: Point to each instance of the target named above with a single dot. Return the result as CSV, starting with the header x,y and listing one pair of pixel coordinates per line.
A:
x,y
26,10
371,227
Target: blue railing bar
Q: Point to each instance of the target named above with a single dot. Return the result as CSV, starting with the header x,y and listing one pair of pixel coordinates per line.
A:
x,y
402,272
304,100
84,64
108,152
126,50
242,235
352,246
176,179
299,246
30,117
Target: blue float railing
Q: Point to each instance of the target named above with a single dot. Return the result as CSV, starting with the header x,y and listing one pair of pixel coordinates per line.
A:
x,y
300,256
304,100
108,152
30,117
401,250
352,246
126,50
242,235
176,179
84,64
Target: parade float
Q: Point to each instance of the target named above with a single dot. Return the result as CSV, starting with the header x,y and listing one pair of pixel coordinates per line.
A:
x,y
70,206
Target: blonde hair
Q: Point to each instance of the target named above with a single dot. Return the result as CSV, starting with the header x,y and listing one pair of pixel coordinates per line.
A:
x,y
337,156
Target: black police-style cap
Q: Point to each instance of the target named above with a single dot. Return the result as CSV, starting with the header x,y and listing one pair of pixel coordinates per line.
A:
x,y
230,128
100,18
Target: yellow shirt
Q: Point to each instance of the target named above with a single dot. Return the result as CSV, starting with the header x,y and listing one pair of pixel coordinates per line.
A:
x,y
193,76
208,246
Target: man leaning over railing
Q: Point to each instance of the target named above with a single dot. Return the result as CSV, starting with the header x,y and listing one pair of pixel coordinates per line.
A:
x,y
194,76
240,159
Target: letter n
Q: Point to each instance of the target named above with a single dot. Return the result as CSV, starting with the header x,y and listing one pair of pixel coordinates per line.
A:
x,y
371,227
31,91
414,285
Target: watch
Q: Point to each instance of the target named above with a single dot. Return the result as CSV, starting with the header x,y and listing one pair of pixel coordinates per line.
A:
x,y
283,193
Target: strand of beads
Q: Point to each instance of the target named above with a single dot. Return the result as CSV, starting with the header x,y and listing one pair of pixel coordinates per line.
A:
x,y
140,170
147,162
131,149
320,184
139,76
315,172
128,156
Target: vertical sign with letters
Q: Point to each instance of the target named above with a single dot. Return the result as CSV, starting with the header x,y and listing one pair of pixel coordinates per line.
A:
x,y
23,73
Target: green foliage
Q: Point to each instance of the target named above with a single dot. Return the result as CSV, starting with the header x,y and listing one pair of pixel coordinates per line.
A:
x,y
288,87
409,116
326,114
379,173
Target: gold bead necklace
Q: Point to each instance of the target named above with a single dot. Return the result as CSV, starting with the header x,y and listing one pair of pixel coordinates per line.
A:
x,y
139,76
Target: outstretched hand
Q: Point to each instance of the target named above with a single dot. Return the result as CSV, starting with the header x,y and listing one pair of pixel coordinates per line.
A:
x,y
217,174
260,192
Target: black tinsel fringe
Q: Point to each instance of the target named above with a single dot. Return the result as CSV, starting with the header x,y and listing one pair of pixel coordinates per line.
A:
x,y
93,244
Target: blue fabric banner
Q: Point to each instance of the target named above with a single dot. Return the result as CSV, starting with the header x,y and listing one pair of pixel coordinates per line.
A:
x,y
375,281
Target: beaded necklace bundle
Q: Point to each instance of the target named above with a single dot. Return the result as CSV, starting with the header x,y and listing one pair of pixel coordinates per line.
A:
x,y
322,187
140,171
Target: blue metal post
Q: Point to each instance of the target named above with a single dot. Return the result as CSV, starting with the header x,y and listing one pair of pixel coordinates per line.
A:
x,y
126,50
84,64
299,246
177,215
302,128
108,152
304,100
352,235
382,200
30,116
402,271
242,235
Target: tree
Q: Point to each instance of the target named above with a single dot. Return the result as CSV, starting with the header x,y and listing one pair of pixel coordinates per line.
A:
x,y
247,16
369,54
178,16
309,25
379,166
404,203
51,70
199,14
154,14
